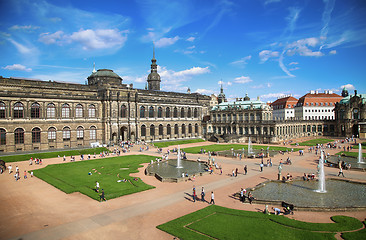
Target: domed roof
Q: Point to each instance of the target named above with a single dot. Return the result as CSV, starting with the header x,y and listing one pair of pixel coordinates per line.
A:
x,y
105,73
153,76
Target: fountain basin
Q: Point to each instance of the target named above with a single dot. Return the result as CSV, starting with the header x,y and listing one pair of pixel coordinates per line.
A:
x,y
167,171
355,165
340,195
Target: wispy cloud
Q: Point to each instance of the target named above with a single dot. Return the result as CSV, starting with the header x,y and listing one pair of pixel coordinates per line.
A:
x,y
271,1
272,95
241,62
267,54
73,76
164,42
243,79
333,52
348,87
326,17
190,39
23,27
17,67
204,91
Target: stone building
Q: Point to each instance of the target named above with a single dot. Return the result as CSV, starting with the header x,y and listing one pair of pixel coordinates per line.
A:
x,y
43,115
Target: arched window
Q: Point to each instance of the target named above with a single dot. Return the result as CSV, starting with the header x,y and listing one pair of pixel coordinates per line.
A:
x,y
124,111
190,128
2,110
167,112
79,111
143,130
36,135
93,133
65,111
80,133
183,129
182,113
176,130
35,110
51,110
151,112
196,128
195,113
2,136
92,111
19,136
189,113
51,134
175,113
161,130
152,130
66,134
160,112
142,112
18,110
168,130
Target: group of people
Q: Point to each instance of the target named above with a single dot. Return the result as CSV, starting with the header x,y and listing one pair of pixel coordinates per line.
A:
x,y
36,161
243,196
101,195
17,172
203,194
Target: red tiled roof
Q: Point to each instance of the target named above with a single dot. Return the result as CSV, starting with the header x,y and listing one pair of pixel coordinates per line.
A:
x,y
284,102
319,98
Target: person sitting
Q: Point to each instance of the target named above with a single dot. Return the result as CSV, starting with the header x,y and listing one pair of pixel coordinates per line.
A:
x,y
288,176
277,211
304,177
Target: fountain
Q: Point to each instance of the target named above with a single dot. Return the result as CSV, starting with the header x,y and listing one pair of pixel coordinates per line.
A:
x,y
179,163
321,181
360,153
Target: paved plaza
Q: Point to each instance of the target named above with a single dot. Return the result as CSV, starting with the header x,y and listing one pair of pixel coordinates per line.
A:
x,y
33,209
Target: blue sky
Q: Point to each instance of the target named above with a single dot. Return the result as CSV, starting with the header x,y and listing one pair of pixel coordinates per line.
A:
x,y
265,48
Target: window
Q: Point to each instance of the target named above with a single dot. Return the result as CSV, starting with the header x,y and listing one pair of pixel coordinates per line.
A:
x,y
2,110
65,111
152,130
19,136
80,133
51,134
143,130
195,113
93,133
51,110
66,134
92,111
160,112
176,130
168,129
36,135
189,113
196,128
142,112
123,111
167,112
183,129
79,111
151,112
190,128
35,110
2,136
18,110
161,130
175,114
182,113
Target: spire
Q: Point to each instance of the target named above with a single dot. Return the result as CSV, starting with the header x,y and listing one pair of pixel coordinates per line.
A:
x,y
154,78
94,68
221,89
153,50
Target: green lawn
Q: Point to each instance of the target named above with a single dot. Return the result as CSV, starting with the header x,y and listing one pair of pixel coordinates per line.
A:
x,y
315,142
351,154
363,145
73,176
226,147
45,155
171,143
355,235
224,223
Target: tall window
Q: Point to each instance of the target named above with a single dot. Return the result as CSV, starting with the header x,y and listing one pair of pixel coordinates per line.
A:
x,y
189,113
196,128
2,110
79,111
167,112
51,134
123,111
142,112
66,134
80,133
143,130
161,130
190,128
183,129
65,111
18,110
92,111
176,130
2,136
19,136
152,130
175,113
35,110
195,113
151,112
36,135
182,113
168,130
160,112
93,133
51,110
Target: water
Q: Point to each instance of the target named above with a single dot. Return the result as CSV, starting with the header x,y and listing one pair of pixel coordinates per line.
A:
x,y
179,162
321,181
169,169
360,153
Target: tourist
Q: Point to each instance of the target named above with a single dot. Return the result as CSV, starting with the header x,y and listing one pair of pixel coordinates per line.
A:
x,y
212,198
64,158
102,197
10,168
97,186
340,172
17,169
194,194
250,197
233,173
31,174
25,174
277,211
30,161
203,195
245,169
236,172
261,166
242,195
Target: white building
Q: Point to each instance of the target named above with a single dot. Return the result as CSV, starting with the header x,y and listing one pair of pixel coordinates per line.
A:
x,y
283,108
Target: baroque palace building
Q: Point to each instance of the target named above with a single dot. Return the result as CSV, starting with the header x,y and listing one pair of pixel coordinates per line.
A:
x,y
43,115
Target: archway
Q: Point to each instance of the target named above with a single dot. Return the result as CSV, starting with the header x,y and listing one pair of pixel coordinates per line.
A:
x,y
123,134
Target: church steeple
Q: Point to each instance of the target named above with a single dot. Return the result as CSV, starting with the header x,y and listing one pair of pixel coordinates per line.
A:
x,y
221,97
153,79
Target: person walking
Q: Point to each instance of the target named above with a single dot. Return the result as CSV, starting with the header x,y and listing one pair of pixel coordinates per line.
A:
x,y
340,172
25,174
261,166
242,195
236,172
245,169
203,195
97,186
212,198
102,197
194,194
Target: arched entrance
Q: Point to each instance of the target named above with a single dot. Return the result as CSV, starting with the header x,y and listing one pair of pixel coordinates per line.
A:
x,y
114,137
124,134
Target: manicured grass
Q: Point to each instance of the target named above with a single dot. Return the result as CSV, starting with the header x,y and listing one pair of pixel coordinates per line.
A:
x,y
171,143
314,142
224,223
226,147
73,176
363,145
44,155
355,235
351,154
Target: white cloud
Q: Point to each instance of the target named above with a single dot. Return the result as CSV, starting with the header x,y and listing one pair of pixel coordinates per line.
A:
x,y
48,38
271,95
204,91
243,79
267,54
333,52
293,69
242,62
21,48
17,67
191,47
293,63
271,1
301,47
164,42
190,39
24,27
348,87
